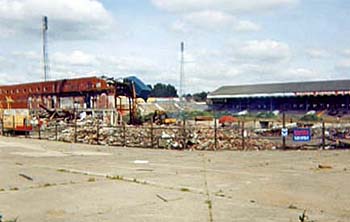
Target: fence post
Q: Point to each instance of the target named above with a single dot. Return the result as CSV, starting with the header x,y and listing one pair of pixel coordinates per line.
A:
x,y
215,134
243,142
323,135
75,129
124,135
13,125
283,126
39,131
184,134
98,131
56,131
152,136
2,127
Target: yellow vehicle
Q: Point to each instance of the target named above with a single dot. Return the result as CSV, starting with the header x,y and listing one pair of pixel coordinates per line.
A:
x,y
16,120
161,117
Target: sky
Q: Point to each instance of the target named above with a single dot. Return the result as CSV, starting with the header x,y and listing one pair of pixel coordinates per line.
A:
x,y
226,42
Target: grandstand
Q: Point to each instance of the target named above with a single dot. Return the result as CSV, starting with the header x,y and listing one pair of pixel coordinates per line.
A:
x,y
331,96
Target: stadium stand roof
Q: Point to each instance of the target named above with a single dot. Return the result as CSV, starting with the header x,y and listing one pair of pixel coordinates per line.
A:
x,y
332,87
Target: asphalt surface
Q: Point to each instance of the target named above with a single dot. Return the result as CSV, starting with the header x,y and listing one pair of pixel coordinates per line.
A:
x,y
52,181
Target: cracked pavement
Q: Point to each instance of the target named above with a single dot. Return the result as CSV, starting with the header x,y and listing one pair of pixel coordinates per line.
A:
x,y
76,182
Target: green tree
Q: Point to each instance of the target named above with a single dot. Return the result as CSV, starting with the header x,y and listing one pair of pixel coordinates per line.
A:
x,y
200,97
163,90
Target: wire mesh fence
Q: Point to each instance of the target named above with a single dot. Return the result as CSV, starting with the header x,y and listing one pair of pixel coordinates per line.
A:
x,y
191,136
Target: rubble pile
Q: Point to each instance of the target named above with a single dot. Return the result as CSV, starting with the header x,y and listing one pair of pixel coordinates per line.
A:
x,y
93,131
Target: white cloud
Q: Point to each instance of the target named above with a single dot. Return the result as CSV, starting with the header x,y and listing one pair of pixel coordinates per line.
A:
x,y
263,51
317,53
67,19
221,5
303,73
31,55
213,20
79,63
346,52
343,64
247,26
75,58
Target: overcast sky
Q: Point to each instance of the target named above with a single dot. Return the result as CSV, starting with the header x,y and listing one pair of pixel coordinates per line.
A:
x,y
227,42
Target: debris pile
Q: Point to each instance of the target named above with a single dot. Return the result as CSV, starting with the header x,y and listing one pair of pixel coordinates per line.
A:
x,y
93,131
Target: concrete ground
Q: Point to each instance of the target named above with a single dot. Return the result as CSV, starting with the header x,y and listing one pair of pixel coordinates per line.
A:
x,y
75,182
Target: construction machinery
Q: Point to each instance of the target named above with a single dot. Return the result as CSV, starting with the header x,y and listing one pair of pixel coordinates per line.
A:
x,y
160,117
16,121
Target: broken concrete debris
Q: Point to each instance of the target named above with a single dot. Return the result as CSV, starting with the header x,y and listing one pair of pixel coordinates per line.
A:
x,y
93,131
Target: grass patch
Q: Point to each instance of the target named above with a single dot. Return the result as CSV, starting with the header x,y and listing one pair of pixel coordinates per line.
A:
x,y
62,170
91,179
49,184
117,177
2,190
210,206
220,194
184,189
291,206
14,189
13,220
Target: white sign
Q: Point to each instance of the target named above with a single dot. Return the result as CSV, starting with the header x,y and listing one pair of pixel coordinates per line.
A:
x,y
284,132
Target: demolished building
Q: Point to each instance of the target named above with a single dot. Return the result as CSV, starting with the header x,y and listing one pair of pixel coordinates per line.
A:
x,y
89,93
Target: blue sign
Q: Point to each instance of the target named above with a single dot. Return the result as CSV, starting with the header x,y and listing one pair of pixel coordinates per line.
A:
x,y
302,135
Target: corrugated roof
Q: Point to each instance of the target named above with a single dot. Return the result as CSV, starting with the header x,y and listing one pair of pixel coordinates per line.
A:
x,y
273,88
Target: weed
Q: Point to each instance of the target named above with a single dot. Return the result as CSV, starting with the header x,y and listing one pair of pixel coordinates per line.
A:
x,y
209,203
117,177
13,220
91,179
292,206
62,170
49,184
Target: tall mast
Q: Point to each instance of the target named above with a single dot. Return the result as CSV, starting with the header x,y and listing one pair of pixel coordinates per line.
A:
x,y
45,43
182,74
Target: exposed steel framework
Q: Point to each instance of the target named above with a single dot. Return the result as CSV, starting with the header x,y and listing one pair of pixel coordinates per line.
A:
x,y
89,93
